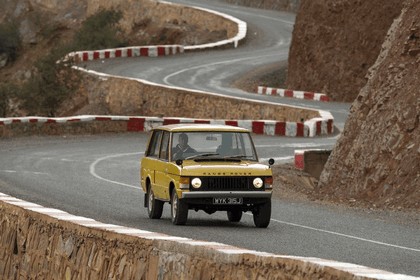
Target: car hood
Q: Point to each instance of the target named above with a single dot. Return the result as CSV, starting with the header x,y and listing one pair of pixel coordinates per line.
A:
x,y
242,168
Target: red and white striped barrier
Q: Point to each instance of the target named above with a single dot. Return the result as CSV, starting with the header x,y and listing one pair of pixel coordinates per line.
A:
x,y
154,51
300,159
149,51
292,93
240,35
321,126
142,123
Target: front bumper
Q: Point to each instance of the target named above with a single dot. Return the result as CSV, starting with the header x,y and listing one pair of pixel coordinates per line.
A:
x,y
198,194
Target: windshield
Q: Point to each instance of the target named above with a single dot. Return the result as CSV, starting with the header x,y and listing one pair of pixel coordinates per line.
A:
x,y
212,145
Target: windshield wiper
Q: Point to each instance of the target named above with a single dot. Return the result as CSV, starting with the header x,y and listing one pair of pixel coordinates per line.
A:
x,y
202,155
237,156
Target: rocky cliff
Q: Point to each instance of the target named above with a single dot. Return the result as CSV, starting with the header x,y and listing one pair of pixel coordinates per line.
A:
x,y
377,158
335,42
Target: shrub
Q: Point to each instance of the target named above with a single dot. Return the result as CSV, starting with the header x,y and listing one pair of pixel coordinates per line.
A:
x,y
50,85
100,31
53,82
7,92
10,41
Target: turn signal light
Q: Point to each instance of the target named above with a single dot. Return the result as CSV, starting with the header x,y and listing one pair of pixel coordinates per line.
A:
x,y
268,182
184,183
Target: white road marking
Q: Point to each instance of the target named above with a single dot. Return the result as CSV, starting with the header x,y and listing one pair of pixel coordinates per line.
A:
x,y
277,160
92,169
166,79
347,236
295,145
25,172
93,173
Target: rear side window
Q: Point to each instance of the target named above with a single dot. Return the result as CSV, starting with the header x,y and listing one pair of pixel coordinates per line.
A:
x,y
154,145
164,154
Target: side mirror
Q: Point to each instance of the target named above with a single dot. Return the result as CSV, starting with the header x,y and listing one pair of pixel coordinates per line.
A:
x,y
271,161
179,162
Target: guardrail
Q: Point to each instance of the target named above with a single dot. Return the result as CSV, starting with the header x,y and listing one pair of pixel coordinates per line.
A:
x,y
11,127
147,51
293,93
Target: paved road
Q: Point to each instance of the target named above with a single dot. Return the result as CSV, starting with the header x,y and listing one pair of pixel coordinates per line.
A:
x,y
268,41
98,176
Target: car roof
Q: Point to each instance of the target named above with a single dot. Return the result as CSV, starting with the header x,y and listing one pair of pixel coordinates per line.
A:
x,y
189,127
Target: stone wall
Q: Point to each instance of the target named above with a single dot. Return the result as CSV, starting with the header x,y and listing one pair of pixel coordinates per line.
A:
x,y
311,161
37,246
115,96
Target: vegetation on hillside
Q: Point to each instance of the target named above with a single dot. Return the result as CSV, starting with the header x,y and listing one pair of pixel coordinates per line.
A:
x,y
52,82
10,42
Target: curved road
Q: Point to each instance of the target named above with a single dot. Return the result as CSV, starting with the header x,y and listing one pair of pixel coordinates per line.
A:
x,y
98,176
268,41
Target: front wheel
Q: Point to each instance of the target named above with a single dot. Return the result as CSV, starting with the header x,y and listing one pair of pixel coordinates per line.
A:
x,y
154,206
262,215
179,210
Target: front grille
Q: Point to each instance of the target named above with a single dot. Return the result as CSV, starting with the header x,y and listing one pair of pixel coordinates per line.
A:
x,y
226,184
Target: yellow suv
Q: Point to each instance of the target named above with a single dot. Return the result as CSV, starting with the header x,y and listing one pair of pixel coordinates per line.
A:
x,y
205,167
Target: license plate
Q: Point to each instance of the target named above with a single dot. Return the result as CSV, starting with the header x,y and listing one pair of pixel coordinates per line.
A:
x,y
227,200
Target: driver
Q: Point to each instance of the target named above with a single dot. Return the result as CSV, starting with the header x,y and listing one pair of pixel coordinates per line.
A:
x,y
182,147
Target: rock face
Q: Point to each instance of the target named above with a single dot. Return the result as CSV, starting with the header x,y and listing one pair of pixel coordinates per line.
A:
x,y
335,42
37,17
377,158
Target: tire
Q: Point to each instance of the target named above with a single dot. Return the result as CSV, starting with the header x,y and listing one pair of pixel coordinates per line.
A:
x,y
234,215
262,215
154,206
179,210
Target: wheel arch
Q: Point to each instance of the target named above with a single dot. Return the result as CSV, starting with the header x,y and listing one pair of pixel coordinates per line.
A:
x,y
147,187
148,183
171,189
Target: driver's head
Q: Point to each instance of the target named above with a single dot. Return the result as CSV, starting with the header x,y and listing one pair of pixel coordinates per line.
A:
x,y
183,140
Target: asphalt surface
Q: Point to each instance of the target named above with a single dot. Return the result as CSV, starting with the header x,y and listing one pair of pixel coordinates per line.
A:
x,y
98,176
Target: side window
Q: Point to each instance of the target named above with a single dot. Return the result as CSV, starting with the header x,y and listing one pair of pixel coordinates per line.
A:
x,y
153,150
164,154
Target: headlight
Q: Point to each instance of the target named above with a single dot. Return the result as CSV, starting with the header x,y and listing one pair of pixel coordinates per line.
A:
x,y
258,183
196,183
